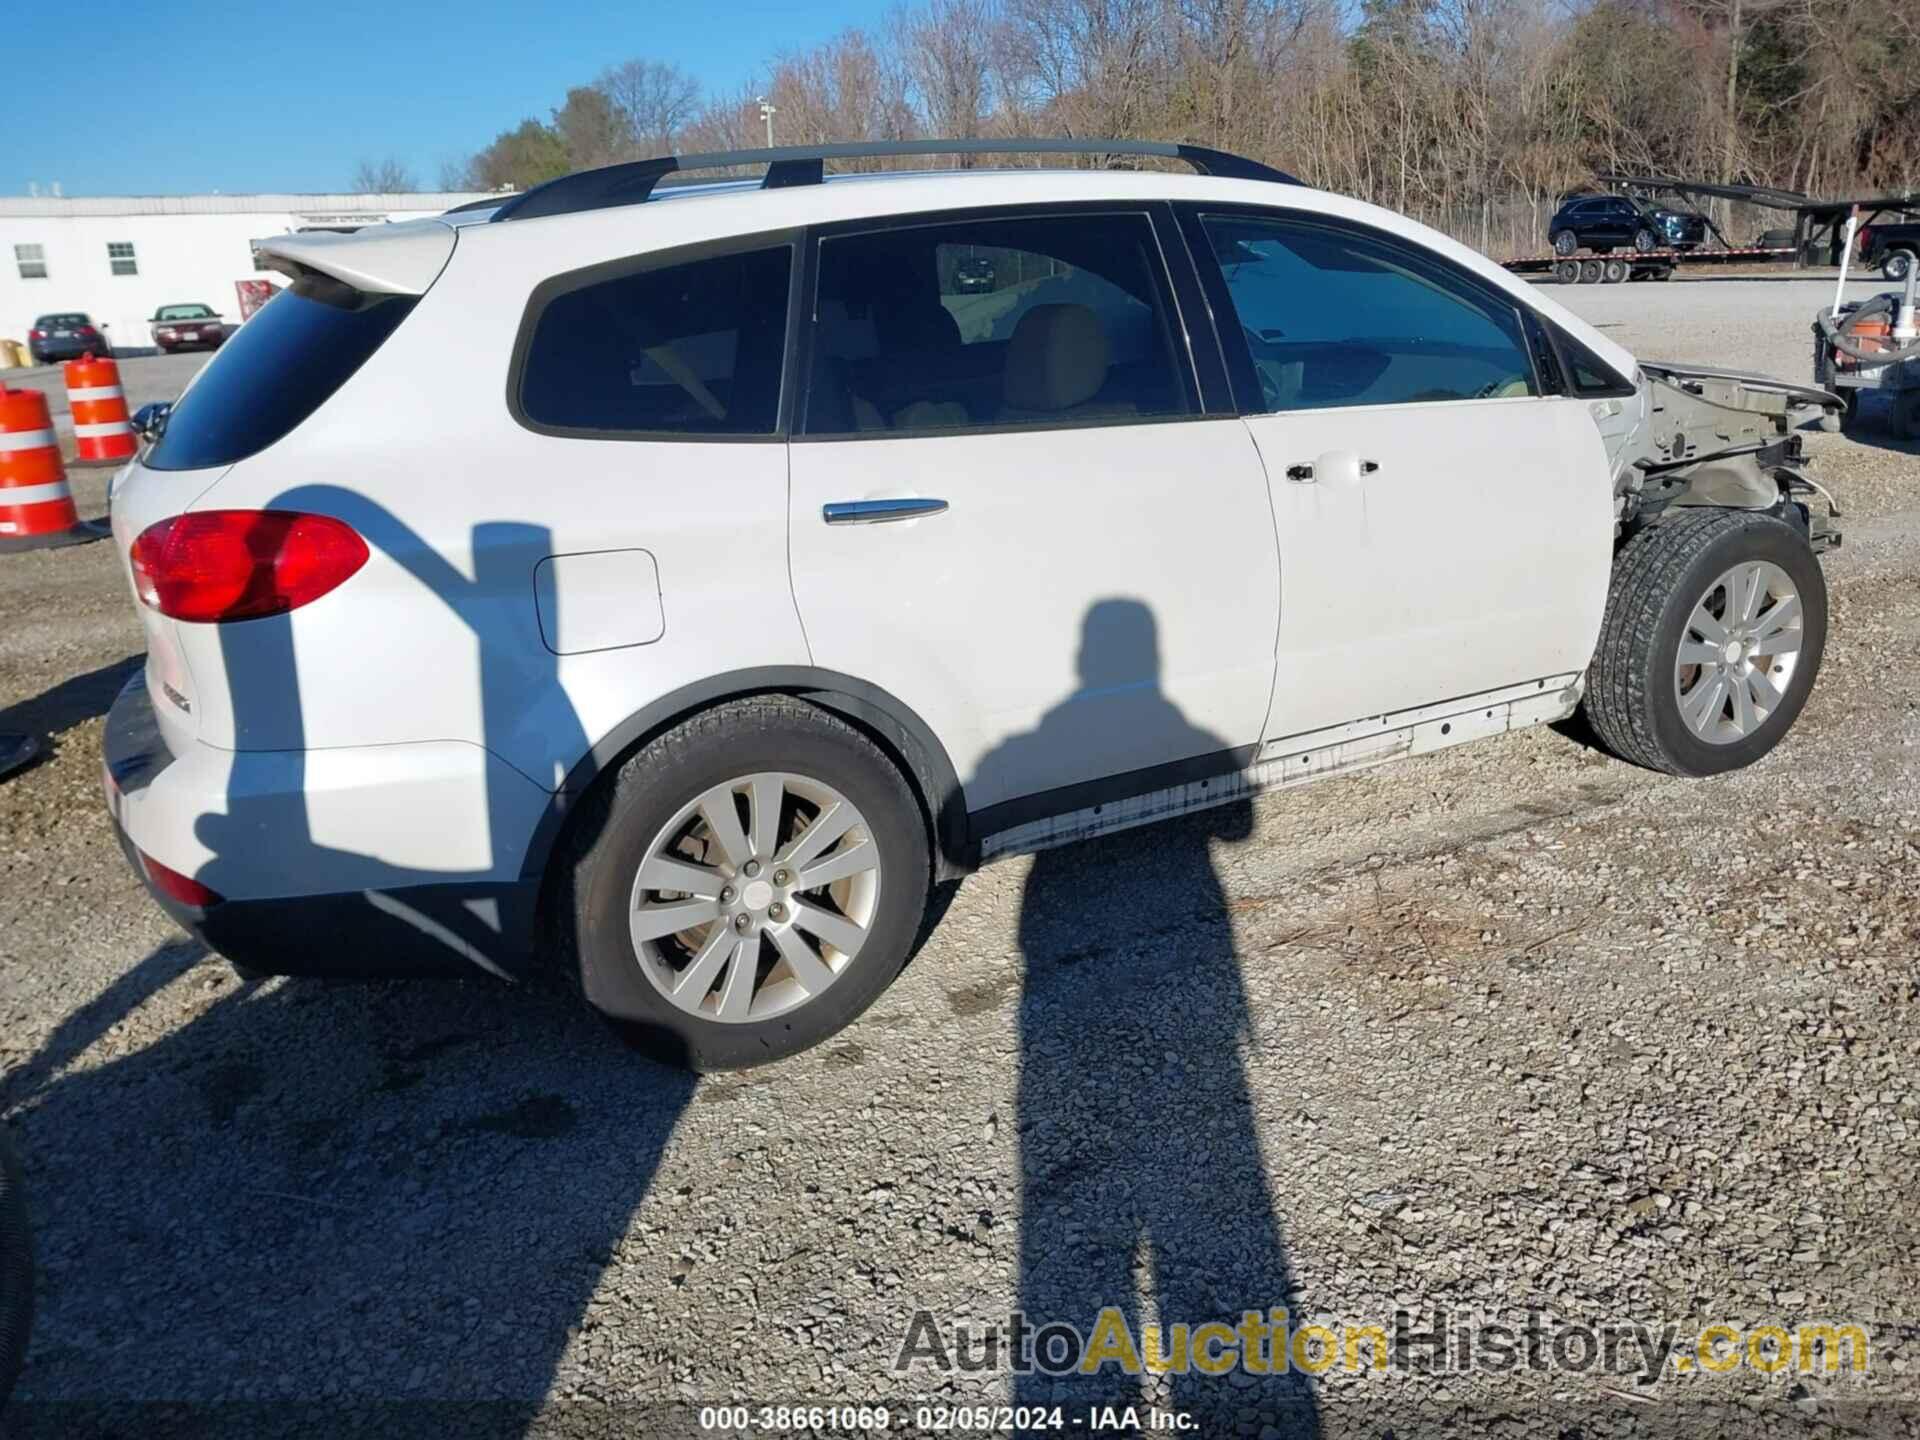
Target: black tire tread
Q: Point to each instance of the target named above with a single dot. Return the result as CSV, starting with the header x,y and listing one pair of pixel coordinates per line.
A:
x,y
1645,571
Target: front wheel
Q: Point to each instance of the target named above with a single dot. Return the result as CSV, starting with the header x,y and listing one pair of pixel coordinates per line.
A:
x,y
1644,240
748,884
1896,265
1565,243
1713,633
16,1272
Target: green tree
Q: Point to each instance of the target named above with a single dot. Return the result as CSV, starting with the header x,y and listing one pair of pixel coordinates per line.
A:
x,y
523,156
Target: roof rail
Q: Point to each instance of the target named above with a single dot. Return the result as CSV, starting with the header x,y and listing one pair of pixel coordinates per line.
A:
x,y
631,183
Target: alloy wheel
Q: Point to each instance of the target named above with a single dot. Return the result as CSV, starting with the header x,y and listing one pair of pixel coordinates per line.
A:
x,y
755,897
1738,653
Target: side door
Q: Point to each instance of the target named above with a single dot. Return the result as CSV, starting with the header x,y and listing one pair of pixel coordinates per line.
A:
x,y
1445,526
1015,508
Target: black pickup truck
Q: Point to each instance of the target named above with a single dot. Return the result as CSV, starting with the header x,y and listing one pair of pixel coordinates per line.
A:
x,y
1892,246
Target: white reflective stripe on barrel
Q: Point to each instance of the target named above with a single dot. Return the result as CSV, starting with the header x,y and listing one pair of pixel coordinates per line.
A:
x,y
12,495
106,427
96,392
25,439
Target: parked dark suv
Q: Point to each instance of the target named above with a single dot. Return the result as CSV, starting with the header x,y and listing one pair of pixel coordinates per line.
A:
x,y
1606,222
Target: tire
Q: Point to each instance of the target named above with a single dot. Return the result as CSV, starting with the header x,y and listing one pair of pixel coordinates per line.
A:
x,y
1895,264
16,1271
1660,575
1615,272
1564,243
1590,272
1645,241
653,795
1567,272
1850,417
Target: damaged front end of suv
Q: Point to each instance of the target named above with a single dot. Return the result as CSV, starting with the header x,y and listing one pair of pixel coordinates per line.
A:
x,y
1695,435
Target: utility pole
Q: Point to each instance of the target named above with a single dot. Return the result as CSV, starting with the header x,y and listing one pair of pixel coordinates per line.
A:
x,y
767,112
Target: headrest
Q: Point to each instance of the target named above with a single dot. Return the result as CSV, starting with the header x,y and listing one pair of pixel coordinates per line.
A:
x,y
1056,359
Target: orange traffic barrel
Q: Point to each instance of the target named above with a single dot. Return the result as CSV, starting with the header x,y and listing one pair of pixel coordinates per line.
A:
x,y
101,431
36,507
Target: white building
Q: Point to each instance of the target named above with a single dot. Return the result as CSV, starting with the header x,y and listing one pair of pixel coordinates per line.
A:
x,y
118,258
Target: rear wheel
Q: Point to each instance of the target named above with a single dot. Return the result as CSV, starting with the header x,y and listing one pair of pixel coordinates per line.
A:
x,y
748,885
1897,264
16,1271
1567,272
1714,629
1591,272
1565,243
1615,272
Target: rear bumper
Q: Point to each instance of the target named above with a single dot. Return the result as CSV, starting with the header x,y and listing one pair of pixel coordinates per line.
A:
x,y
184,810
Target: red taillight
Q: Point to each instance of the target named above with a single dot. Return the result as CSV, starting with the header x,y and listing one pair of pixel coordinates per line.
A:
x,y
219,565
36,334
85,330
175,886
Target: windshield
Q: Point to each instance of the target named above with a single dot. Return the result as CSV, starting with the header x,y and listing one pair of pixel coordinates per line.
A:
x,y
278,368
184,312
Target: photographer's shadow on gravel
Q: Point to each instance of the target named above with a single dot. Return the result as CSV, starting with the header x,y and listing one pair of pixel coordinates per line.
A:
x,y
335,1201
1142,1182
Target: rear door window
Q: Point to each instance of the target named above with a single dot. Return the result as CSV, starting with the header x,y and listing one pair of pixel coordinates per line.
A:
x,y
1042,320
694,348
278,368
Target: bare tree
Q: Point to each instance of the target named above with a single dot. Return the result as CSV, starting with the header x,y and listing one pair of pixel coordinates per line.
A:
x,y
656,101
383,177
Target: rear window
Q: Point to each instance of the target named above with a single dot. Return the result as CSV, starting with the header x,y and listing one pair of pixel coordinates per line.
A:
x,y
277,370
674,349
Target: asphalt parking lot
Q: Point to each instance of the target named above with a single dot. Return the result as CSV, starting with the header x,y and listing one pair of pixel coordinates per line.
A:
x,y
1513,1031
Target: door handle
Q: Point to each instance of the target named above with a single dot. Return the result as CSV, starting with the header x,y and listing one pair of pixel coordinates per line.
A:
x,y
879,512
1301,474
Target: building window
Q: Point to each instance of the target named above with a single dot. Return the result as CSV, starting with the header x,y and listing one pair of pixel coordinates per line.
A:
x,y
120,257
32,260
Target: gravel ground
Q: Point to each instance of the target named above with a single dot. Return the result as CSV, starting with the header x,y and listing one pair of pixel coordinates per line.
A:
x,y
1516,1029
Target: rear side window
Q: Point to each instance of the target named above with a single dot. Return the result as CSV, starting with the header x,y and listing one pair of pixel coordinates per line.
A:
x,y
277,370
689,349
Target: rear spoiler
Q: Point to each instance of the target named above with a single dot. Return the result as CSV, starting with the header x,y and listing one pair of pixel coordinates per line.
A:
x,y
403,259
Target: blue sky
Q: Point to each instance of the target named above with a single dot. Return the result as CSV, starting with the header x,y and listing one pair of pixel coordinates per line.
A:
x,y
154,99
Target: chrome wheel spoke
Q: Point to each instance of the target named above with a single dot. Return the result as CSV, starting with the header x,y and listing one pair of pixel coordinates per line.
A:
x,y
1743,594
1702,705
808,968
854,859
835,930
1693,652
656,922
736,991
664,872
1744,718
827,827
1764,691
693,983
1782,614
1781,642
1702,623
717,809
767,794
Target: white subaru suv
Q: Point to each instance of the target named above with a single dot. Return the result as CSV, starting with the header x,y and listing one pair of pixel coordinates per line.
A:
x,y
674,582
